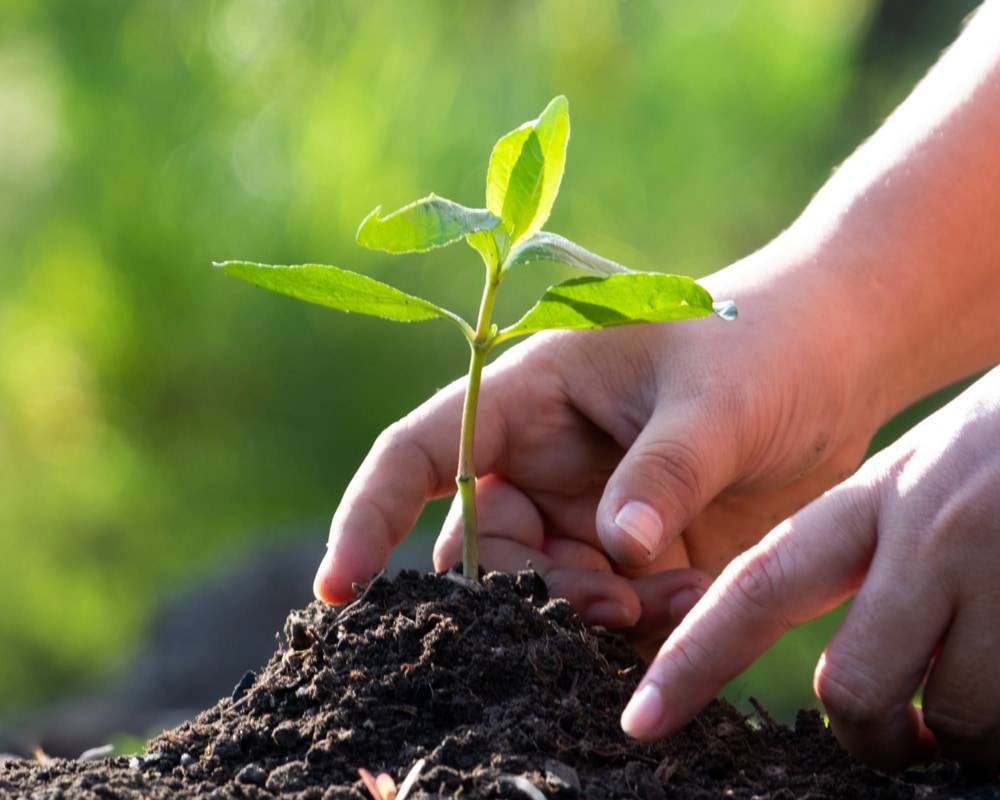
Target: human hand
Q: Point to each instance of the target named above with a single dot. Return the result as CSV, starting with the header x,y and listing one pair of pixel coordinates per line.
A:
x,y
913,537
617,463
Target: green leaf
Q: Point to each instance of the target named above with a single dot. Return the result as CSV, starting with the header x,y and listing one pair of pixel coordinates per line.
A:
x,y
491,245
590,303
505,154
430,222
524,189
525,170
552,129
544,246
340,289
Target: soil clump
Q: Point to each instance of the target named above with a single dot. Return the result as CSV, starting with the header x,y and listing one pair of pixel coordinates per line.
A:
x,y
503,692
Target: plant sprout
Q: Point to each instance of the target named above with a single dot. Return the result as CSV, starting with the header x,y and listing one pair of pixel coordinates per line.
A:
x,y
522,181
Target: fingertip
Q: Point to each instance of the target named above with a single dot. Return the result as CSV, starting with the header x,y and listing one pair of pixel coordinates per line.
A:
x,y
610,614
683,602
326,587
600,596
448,545
642,718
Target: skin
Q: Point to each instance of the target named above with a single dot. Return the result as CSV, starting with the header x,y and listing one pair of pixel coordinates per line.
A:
x,y
629,467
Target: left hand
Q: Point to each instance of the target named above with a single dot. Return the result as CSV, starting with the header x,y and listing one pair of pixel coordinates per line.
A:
x,y
914,537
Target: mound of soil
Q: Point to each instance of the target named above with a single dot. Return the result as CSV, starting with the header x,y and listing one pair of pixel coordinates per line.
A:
x,y
501,691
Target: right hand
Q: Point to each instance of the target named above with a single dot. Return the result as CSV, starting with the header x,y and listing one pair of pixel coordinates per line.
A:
x,y
626,466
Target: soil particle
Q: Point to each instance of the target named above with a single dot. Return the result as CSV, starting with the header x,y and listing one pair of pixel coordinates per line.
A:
x,y
504,692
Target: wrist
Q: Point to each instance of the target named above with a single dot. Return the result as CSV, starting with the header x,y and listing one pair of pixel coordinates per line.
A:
x,y
807,328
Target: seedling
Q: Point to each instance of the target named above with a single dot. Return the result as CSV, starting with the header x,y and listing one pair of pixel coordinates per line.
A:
x,y
522,180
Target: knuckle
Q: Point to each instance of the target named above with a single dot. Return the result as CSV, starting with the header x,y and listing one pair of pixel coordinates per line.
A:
x,y
679,469
391,439
850,694
754,582
692,657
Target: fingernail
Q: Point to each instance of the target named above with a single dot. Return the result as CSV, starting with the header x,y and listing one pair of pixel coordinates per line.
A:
x,y
609,614
643,713
682,602
642,523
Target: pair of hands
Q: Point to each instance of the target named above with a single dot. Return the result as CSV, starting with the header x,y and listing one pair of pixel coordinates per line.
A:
x,y
629,467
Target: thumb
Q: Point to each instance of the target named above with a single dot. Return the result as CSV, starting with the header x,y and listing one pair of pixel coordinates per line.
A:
x,y
665,479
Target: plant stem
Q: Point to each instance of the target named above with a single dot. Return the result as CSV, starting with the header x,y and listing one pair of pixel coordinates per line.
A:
x,y
466,478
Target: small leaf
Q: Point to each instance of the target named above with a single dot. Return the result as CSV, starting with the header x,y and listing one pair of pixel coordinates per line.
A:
x,y
525,170
491,245
545,246
552,129
590,303
505,154
430,222
524,189
340,289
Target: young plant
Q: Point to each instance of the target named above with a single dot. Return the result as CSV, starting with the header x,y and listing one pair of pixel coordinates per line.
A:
x,y
522,180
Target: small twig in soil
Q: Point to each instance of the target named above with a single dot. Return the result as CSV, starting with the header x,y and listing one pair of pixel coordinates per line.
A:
x,y
347,611
411,779
666,769
766,719
463,581
523,785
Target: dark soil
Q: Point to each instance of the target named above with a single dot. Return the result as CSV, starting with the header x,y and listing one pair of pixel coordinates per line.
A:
x,y
503,692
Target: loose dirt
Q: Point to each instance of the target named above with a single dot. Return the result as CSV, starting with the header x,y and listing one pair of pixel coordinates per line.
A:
x,y
501,691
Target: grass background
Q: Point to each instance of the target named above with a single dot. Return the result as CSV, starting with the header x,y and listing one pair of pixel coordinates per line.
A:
x,y
157,418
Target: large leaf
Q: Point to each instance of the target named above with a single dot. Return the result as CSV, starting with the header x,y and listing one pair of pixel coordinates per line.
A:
x,y
525,170
430,222
340,289
545,246
591,303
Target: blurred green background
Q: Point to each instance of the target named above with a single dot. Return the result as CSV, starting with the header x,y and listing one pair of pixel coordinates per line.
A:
x,y
157,417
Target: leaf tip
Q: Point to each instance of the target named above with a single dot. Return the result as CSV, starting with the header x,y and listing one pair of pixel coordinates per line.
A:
x,y
361,236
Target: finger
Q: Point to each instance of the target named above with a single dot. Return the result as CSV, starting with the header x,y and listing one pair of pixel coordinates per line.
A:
x,y
667,476
579,573
961,702
873,665
512,538
666,598
448,545
411,462
505,514
939,578
804,568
